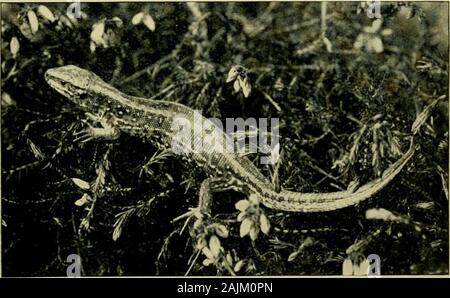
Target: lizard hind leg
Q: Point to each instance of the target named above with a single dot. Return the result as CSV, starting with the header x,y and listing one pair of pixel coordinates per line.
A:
x,y
203,210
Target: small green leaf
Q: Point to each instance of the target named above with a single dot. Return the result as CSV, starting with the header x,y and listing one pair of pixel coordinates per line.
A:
x,y
81,183
207,262
242,205
222,231
214,245
83,200
236,86
33,20
97,32
245,227
201,243
149,22
46,13
241,216
375,45
328,44
58,222
254,231
14,46
245,85
207,252
264,223
361,269
347,267
137,18
238,266
117,232
293,256
232,74
229,258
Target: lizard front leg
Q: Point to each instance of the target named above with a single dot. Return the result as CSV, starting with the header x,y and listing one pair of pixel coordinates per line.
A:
x,y
107,131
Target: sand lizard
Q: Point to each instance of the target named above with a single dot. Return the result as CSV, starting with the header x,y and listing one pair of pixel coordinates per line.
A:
x,y
152,119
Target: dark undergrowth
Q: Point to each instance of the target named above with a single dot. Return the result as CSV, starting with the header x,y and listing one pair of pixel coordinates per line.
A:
x,y
346,95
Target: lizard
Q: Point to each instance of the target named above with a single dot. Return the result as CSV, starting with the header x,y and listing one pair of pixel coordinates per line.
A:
x,y
153,119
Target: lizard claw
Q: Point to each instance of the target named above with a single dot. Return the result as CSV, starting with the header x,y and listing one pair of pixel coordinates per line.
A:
x,y
97,133
84,136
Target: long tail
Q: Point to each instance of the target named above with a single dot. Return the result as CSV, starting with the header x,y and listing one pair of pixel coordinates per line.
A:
x,y
321,202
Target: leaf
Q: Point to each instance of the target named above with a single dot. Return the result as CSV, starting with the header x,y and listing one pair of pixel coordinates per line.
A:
x,y
117,21
380,213
58,222
242,205
201,243
241,216
229,258
92,46
361,269
14,46
375,45
387,32
83,200
137,18
264,224
46,13
254,231
360,40
117,232
246,87
33,20
4,223
97,32
207,262
347,267
149,22
293,256
208,253
197,223
214,245
376,25
222,231
245,227
81,183
7,100
328,45
232,74
236,86
238,266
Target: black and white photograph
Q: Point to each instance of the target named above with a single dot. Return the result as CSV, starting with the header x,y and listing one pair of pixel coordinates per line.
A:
x,y
225,139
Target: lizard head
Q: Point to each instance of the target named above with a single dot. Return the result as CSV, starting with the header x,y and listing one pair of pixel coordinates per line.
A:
x,y
71,81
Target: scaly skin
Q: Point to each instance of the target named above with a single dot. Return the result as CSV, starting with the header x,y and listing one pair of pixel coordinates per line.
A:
x,y
153,120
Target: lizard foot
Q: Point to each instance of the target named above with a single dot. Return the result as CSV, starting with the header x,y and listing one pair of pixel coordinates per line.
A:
x,y
106,132
192,213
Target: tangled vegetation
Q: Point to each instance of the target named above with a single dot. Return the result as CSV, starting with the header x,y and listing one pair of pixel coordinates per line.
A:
x,y
345,87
